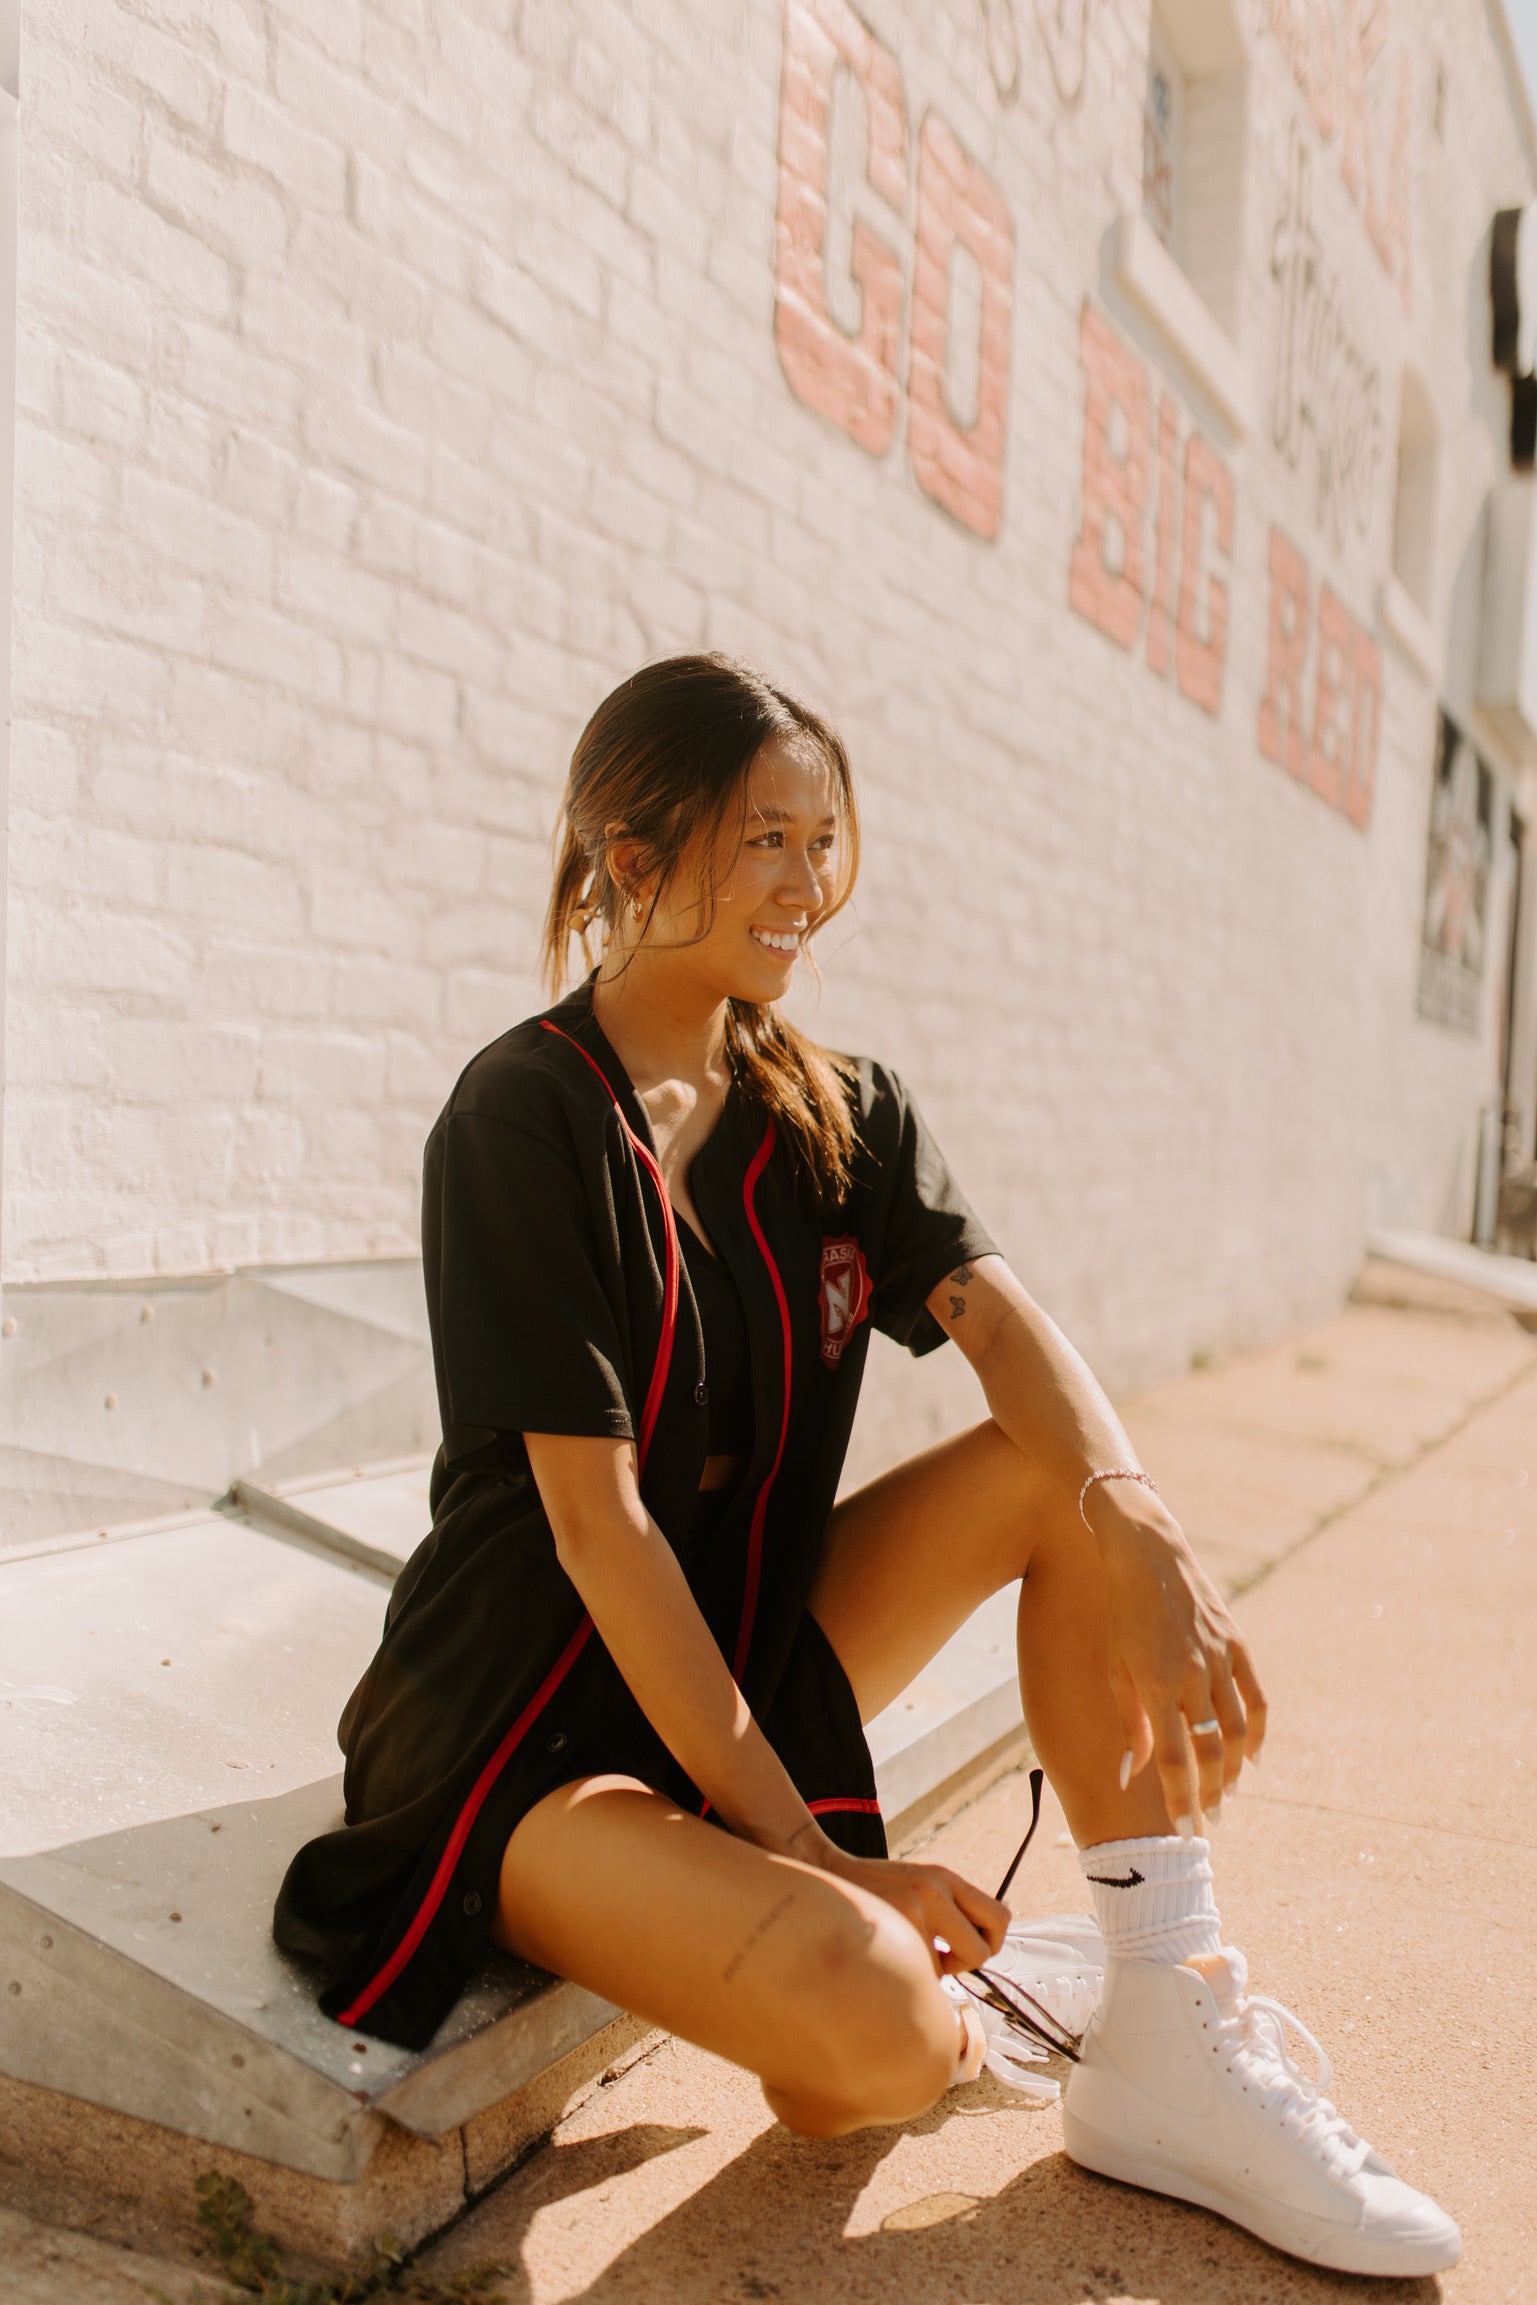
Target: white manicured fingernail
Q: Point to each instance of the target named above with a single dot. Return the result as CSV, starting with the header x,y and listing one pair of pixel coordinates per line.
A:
x,y
1125,1770
1185,1827
1213,1815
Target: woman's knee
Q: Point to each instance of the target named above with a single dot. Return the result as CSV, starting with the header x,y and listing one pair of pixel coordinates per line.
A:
x,y
885,2038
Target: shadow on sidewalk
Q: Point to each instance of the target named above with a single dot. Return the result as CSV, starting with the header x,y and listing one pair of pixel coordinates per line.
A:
x,y
771,2224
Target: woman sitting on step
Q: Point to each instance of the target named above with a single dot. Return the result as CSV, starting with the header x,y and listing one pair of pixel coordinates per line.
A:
x,y
614,1724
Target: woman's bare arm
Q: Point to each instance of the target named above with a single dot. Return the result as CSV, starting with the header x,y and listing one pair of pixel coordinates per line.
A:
x,y
639,1600
1176,1654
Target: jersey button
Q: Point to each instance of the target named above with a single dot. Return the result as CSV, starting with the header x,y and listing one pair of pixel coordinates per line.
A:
x,y
701,1393
472,1903
557,1743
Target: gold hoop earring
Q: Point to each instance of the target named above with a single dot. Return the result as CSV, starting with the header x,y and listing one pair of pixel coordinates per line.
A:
x,y
637,909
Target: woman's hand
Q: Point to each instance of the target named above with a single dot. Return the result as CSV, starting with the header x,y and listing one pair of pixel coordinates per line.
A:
x,y
945,1910
1177,1659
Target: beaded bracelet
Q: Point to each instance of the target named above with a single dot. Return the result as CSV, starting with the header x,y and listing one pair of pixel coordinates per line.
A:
x,y
1113,1473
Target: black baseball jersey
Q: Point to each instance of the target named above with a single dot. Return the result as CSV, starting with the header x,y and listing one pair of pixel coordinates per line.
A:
x,y
559,1303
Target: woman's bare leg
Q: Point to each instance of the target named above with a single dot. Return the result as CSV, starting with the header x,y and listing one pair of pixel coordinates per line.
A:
x,y
827,1994
911,1555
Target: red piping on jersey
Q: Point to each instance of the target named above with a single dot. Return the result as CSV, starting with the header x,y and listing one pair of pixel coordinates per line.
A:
x,y
755,1169
653,1168
838,1801
427,1911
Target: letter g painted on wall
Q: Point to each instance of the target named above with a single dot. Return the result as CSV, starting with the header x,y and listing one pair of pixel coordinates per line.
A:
x,y
853,378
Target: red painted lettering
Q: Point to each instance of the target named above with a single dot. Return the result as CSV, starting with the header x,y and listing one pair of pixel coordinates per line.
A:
x,y
851,380
1160,617
1366,27
1328,757
1321,73
1389,227
1333,75
1198,658
1286,31
1106,579
1339,760
959,465
1304,32
1280,713
1365,728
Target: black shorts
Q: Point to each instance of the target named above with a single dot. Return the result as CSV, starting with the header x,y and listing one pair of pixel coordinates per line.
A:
x,y
443,1763
812,1723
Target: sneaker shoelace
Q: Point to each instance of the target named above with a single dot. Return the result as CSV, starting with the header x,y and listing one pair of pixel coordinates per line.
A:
x,y
1253,2029
1070,1995
1010,2050
1035,1998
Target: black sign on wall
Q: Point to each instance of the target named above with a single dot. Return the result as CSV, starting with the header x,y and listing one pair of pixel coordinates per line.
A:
x,y
1455,927
1513,299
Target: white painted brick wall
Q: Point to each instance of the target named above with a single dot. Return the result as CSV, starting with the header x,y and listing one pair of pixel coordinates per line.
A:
x,y
393,377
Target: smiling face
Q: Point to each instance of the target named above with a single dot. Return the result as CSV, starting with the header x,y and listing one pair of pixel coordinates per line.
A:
x,y
775,872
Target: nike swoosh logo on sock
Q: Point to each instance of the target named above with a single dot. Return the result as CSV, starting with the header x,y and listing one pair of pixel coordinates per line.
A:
x,y
1108,1880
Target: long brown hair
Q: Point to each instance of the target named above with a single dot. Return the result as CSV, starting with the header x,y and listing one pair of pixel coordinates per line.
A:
x,y
667,756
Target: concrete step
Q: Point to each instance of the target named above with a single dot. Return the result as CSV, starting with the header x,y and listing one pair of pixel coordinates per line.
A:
x,y
143,1977
963,1705
170,1704
147,1682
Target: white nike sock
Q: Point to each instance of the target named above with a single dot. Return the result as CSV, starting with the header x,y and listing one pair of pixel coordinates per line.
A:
x,y
1152,1898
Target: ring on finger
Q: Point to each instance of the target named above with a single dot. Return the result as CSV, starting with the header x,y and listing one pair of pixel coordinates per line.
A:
x,y
1206,1728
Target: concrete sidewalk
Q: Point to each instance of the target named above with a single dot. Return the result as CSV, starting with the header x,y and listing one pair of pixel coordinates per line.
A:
x,y
1371,1487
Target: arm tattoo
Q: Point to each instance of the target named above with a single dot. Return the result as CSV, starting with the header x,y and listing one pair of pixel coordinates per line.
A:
x,y
959,1279
774,1913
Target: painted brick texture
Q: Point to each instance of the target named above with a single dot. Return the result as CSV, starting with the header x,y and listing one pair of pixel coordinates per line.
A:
x,y
395,375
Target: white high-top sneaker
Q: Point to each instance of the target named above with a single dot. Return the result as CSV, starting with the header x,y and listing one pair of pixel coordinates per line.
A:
x,y
1185,2087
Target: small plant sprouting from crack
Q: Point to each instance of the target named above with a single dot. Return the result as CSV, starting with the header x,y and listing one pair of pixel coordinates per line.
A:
x,y
254,2262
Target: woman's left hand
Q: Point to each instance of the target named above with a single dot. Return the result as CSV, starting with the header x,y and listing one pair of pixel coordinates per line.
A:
x,y
1178,1663
961,1925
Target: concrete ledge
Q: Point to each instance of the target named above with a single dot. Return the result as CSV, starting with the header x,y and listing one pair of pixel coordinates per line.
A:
x,y
152,2028
908,1827
1511,1281
961,1705
140,1972
74,2163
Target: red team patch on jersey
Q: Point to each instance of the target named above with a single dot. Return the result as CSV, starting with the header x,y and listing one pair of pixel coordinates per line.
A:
x,y
845,1294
